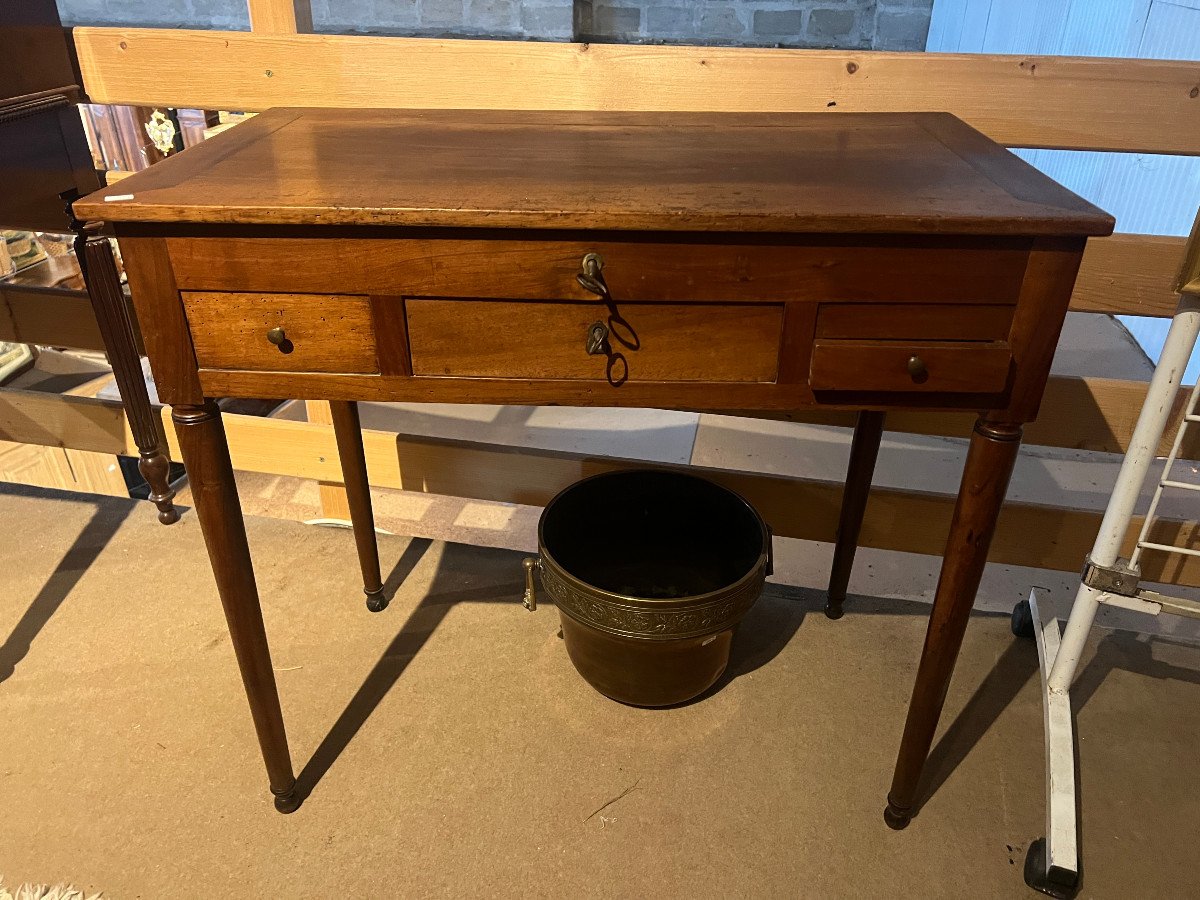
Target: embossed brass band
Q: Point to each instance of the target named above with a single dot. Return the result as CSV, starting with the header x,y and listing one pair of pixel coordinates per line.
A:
x,y
651,619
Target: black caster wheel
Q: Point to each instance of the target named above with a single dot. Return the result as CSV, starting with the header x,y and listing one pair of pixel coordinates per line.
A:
x,y
1022,621
1055,883
376,602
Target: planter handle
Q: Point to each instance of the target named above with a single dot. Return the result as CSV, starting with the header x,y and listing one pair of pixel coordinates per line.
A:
x,y
529,601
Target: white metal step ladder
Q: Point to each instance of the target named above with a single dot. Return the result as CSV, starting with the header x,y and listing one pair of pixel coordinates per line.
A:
x,y
1052,865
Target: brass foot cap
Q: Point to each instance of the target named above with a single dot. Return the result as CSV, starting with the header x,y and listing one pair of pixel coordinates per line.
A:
x,y
376,602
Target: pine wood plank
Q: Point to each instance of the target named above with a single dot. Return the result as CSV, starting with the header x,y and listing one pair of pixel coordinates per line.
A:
x,y
1028,534
1030,101
62,420
334,502
1129,274
280,16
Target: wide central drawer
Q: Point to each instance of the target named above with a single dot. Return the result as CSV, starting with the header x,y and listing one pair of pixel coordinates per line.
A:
x,y
882,269
642,341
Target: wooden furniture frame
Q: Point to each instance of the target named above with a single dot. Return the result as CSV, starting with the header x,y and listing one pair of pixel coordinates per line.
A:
x,y
1055,102
767,262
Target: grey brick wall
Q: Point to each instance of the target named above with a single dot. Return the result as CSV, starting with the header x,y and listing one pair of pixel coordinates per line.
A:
x,y
227,14
851,24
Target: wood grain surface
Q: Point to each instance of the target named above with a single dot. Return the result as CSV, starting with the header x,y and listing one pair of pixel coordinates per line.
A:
x,y
914,321
654,341
542,266
1126,273
973,367
1078,103
161,319
323,333
913,173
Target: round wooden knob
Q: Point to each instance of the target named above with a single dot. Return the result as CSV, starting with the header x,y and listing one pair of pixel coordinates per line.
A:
x,y
277,336
916,368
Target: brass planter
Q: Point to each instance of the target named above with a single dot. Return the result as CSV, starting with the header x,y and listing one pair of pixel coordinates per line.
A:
x,y
651,572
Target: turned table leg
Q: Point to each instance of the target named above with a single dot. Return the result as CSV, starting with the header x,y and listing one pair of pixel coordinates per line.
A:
x,y
989,464
348,431
210,475
99,269
864,450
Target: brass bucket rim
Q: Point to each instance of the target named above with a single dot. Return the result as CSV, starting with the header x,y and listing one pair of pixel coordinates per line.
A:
x,y
634,617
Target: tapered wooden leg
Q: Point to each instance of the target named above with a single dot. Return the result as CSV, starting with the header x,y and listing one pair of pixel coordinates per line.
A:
x,y
864,450
985,480
116,328
206,457
348,431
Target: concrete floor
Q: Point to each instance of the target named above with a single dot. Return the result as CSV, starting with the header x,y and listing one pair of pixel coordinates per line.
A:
x,y
452,750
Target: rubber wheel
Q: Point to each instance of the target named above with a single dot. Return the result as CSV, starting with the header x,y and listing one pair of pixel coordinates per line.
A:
x,y
1022,620
1056,883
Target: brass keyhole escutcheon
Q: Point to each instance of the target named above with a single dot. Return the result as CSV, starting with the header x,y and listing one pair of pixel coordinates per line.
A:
x,y
917,369
597,339
279,338
591,275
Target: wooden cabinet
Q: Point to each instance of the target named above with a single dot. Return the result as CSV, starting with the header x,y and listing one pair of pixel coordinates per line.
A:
x,y
750,262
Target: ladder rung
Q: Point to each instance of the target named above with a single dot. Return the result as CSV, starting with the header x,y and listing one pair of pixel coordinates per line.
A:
x,y
1192,417
1181,485
1167,548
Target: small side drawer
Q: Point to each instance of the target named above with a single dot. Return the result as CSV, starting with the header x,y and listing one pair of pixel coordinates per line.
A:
x,y
654,341
925,367
320,332
915,321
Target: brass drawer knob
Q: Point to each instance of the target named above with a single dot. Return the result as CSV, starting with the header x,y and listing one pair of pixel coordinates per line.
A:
x,y
917,369
591,276
279,338
597,339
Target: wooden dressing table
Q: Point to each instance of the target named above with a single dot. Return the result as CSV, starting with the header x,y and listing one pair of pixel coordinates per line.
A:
x,y
696,261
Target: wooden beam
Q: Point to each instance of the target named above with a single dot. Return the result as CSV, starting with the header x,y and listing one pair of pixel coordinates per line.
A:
x,y
1129,274
280,16
1095,414
53,319
334,502
47,304
1028,535
1188,278
63,420
62,468
1026,101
